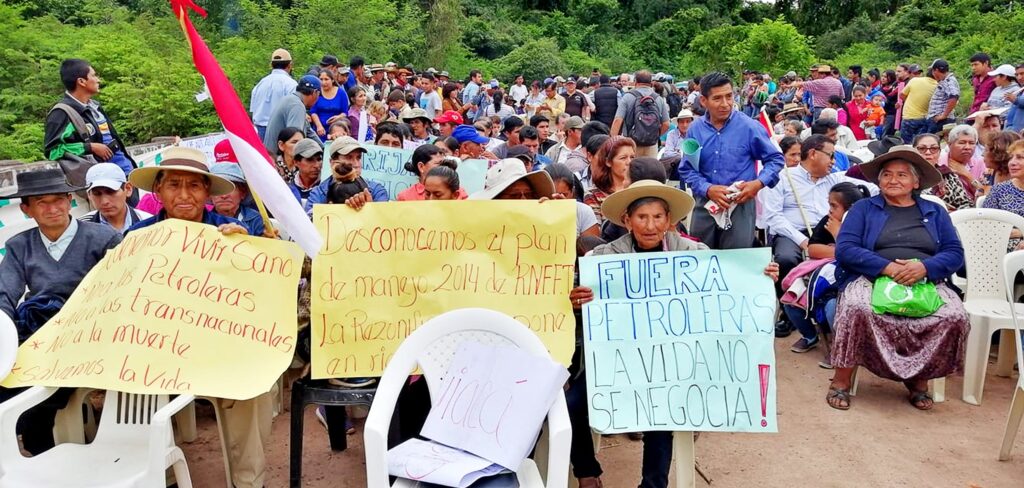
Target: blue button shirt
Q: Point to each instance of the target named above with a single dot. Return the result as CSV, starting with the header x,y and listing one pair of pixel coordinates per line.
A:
x,y
265,95
319,194
728,155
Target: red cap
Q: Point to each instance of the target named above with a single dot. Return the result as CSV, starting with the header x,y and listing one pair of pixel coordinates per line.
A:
x,y
450,116
223,153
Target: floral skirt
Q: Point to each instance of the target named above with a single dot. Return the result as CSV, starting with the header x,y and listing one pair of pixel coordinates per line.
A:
x,y
899,348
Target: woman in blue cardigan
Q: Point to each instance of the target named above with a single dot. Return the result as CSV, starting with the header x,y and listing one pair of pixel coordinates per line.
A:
x,y
900,235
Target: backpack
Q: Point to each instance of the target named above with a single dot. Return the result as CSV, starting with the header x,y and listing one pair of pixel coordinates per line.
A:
x,y
74,166
645,127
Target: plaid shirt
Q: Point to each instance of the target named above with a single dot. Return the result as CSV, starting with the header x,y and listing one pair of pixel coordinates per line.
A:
x,y
948,89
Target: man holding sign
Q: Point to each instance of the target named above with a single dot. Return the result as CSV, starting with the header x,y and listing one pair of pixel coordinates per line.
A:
x,y
649,211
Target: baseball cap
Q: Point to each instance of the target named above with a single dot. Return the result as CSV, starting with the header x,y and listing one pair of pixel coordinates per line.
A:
x,y
570,80
281,55
494,84
914,68
548,80
373,68
224,153
521,153
791,74
940,64
468,133
344,70
444,74
574,122
449,116
432,71
559,79
1003,69
329,60
107,175
309,82
345,145
306,148
229,171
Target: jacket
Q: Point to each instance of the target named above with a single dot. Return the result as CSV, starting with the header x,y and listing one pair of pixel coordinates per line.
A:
x,y
60,136
855,245
606,102
672,242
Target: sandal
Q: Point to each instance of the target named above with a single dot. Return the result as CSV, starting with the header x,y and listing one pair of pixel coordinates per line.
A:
x,y
839,394
921,400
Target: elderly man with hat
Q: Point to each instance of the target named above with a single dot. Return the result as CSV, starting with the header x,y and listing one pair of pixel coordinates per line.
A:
x,y
471,143
309,159
231,204
823,86
293,111
273,88
184,183
419,124
49,261
108,191
573,141
346,152
674,141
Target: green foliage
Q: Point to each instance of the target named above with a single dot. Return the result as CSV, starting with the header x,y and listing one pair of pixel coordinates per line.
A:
x,y
535,60
859,30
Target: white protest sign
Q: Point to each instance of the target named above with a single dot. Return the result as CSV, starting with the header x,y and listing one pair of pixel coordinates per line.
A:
x,y
430,462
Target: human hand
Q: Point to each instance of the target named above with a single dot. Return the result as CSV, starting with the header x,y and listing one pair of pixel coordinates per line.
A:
x,y
228,229
271,233
101,150
1011,96
718,194
554,196
357,201
488,155
320,130
748,191
832,226
580,296
891,269
334,118
910,273
772,271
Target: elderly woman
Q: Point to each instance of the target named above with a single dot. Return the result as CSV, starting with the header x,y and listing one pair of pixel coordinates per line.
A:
x,y
954,189
963,155
610,173
649,210
424,159
908,239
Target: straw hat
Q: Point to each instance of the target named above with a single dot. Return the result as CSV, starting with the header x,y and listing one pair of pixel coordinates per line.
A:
x,y
181,159
679,202
929,175
508,171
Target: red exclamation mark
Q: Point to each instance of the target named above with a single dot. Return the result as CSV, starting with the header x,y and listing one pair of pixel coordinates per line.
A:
x,y
764,369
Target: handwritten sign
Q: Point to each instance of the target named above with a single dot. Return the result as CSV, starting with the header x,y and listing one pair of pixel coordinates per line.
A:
x,y
493,400
177,307
680,341
386,166
430,462
385,270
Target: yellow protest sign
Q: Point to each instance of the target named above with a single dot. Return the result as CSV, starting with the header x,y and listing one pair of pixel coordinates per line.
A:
x,y
177,307
385,270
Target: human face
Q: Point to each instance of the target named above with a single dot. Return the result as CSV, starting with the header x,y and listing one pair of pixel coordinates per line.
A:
x,y
835,207
477,78
620,163
443,147
789,130
326,81
648,223
792,156
520,190
532,144
360,99
447,129
355,158
91,82
929,149
878,101
288,146
1020,76
432,163
336,132
962,149
897,180
389,140
719,102
227,205
901,74
419,129
513,137
435,188
683,125
51,212
1016,164
992,124
550,92
832,134
819,162
858,97
309,168
111,204
565,189
979,68
471,149
183,195
543,130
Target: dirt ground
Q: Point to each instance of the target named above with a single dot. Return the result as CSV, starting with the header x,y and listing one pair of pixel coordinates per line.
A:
x,y
882,441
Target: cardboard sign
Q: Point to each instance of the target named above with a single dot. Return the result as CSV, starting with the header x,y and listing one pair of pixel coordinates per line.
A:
x,y
385,270
177,307
680,341
386,166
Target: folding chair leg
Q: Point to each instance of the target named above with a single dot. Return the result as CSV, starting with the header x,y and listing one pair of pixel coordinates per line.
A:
x,y
975,364
181,474
1007,353
1012,423
686,459
937,387
186,422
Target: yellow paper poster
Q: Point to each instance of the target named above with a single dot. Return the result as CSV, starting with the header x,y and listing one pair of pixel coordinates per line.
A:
x,y
177,307
385,270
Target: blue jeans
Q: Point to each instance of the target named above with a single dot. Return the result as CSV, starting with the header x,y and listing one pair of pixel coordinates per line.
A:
x,y
911,128
803,324
262,131
581,450
657,459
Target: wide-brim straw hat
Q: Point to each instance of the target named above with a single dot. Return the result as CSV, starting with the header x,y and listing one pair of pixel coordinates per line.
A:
x,y
930,176
679,202
181,159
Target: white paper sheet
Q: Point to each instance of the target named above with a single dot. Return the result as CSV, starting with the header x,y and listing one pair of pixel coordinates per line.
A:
x,y
430,462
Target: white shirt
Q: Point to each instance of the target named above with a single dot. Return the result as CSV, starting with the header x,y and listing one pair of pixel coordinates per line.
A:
x,y
781,213
273,87
57,248
128,220
518,92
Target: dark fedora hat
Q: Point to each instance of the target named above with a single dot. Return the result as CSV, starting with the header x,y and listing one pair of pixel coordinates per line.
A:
x,y
42,182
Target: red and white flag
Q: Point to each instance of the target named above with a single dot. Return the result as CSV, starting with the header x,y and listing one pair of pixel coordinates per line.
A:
x,y
762,118
256,163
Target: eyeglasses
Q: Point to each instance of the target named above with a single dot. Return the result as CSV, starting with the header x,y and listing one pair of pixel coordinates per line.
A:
x,y
831,155
927,149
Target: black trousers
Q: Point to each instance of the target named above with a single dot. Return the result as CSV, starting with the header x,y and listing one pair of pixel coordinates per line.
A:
x,y
36,424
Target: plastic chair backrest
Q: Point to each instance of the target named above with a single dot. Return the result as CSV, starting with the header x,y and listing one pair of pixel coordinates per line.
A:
x,y
980,202
1013,263
128,416
935,199
8,345
985,233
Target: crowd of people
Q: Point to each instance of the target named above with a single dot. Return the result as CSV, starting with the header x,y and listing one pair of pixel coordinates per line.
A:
x,y
849,175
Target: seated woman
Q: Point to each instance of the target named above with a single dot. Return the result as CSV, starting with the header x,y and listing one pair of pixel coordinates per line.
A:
x,y
1009,195
650,211
822,245
908,239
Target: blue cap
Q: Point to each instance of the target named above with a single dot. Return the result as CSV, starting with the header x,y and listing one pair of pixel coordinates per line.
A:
x,y
309,82
229,171
468,133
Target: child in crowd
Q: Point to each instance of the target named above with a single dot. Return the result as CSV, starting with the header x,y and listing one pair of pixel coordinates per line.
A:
x,y
874,117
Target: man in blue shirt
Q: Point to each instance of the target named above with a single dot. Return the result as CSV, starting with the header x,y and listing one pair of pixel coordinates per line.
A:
x,y
271,89
730,145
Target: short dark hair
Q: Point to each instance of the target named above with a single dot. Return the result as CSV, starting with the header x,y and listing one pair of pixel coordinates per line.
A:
x,y
71,70
561,172
447,174
981,58
473,72
594,143
280,64
642,76
816,142
593,128
604,79
850,193
822,126
713,80
356,62
392,128
537,119
647,168
528,132
510,124
857,69
788,142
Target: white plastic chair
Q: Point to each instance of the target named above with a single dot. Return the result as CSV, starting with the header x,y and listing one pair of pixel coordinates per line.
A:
x,y
935,199
133,447
1013,263
8,345
431,347
985,233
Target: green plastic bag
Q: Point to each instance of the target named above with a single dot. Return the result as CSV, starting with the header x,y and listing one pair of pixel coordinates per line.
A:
x,y
919,300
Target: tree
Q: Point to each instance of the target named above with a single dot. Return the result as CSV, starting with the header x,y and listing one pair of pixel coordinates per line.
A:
x,y
443,30
535,60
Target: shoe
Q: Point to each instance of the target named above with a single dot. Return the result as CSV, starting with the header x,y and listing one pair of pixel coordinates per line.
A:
x,y
349,428
804,345
321,416
825,364
783,328
352,382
